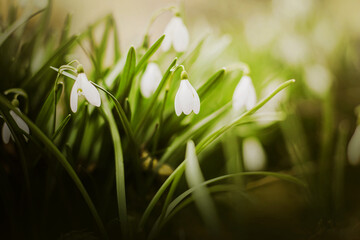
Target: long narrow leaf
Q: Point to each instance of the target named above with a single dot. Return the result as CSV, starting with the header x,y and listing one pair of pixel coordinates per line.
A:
x,y
47,109
59,52
148,54
201,194
61,127
127,75
119,167
16,25
215,78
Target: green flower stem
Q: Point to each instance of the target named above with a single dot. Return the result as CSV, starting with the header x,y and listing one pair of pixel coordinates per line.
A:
x,y
156,15
121,112
203,144
155,96
37,133
285,177
158,132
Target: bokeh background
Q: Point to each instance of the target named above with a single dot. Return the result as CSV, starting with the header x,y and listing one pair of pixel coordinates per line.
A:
x,y
316,42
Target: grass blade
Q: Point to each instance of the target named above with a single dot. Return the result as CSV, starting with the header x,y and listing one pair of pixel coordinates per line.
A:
x,y
47,109
119,168
121,113
201,194
211,83
59,52
61,127
148,54
127,75
281,176
16,25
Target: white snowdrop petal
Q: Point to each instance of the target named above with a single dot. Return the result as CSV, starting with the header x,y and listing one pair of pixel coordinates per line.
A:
x,y
91,94
21,123
150,80
74,97
157,74
251,97
178,110
240,95
179,99
187,97
254,155
196,99
145,85
353,150
166,44
5,133
180,37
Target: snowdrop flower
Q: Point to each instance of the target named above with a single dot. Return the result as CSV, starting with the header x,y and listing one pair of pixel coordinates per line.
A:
x,y
254,155
150,80
244,94
353,150
176,34
82,86
6,133
186,99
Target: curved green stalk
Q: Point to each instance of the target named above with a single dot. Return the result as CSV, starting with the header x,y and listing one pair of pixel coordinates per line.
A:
x,y
121,112
211,138
180,202
203,144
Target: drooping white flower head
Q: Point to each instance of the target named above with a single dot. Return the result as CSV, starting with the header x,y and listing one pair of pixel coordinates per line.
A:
x,y
186,99
6,133
353,150
244,94
254,155
176,34
150,80
82,86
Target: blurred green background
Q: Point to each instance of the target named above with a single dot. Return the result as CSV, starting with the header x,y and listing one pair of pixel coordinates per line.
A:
x,y
315,42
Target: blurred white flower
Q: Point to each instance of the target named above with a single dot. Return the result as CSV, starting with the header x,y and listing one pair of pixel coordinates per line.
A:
x,y
186,99
176,34
292,48
82,86
6,133
353,150
292,9
254,155
244,94
261,30
150,80
318,79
